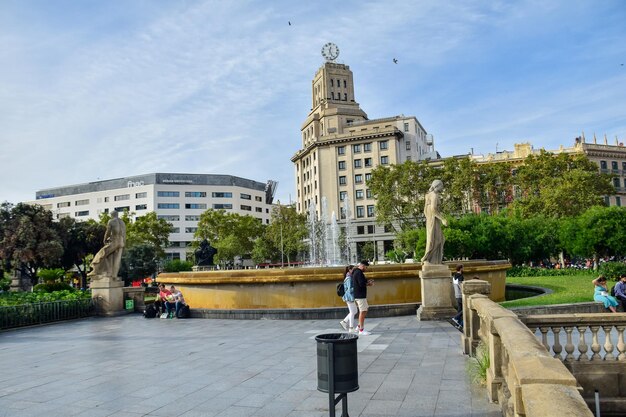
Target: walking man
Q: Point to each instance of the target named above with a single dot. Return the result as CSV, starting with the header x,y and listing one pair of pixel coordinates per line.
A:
x,y
457,279
360,284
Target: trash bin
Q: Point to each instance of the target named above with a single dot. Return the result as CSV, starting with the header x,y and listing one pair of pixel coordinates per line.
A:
x,y
344,362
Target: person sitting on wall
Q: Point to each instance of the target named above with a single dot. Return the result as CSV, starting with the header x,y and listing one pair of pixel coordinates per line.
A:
x,y
620,291
161,298
176,301
601,294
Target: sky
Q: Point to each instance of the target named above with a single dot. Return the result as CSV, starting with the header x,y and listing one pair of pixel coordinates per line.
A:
x,y
94,90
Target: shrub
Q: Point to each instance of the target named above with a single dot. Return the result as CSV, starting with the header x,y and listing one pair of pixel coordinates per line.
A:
x,y
177,265
18,298
527,271
396,256
612,270
53,286
48,275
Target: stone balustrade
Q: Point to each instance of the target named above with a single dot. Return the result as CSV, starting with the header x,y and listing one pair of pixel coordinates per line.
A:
x,y
523,377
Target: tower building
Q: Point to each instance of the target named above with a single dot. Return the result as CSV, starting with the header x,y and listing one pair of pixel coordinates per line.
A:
x,y
340,148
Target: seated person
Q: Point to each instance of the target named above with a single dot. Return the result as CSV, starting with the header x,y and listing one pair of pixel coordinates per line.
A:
x,y
620,291
177,301
601,294
162,298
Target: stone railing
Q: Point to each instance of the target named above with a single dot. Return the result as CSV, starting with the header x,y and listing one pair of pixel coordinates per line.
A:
x,y
523,377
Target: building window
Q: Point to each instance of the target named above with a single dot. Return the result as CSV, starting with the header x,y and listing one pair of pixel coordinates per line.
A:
x,y
106,199
222,195
367,147
168,205
222,206
368,162
342,180
408,145
408,157
368,176
388,228
141,207
194,206
384,160
624,166
384,144
342,195
122,209
190,229
195,194
360,212
167,194
257,198
63,215
341,150
406,127
245,196
141,195
192,218
86,213
359,194
175,230
614,165
358,178
607,200
345,97
370,229
169,218
357,163
356,148
616,182
258,209
344,84
602,164
342,165
121,197
618,201
368,193
342,212
360,230
370,211
81,202
246,208
332,82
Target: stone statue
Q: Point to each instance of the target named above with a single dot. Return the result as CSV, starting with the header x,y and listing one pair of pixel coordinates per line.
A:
x,y
434,220
204,254
107,260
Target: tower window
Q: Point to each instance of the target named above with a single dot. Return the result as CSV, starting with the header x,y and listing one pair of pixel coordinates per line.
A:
x,y
331,83
344,84
345,97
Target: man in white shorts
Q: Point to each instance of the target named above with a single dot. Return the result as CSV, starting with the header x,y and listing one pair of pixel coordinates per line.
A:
x,y
360,284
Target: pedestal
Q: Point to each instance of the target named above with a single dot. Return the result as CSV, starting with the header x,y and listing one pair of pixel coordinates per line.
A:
x,y
20,282
108,295
437,304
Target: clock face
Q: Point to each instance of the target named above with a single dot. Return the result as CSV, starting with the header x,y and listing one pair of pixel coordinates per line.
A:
x,y
330,51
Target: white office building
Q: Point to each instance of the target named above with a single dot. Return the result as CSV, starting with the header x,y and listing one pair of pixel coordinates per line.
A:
x,y
178,198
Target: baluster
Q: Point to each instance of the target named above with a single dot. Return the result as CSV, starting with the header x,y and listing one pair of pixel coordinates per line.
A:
x,y
556,330
544,337
595,346
582,343
621,347
569,346
608,344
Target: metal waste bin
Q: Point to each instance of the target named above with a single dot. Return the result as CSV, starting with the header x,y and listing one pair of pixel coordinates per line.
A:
x,y
337,367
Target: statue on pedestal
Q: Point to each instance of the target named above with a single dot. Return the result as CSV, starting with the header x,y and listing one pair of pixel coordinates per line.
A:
x,y
204,254
107,261
434,220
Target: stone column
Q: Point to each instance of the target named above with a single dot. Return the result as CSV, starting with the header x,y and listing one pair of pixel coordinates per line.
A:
x,y
108,295
436,282
20,282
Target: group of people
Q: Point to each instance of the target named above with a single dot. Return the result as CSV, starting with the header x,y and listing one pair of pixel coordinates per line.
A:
x,y
170,301
601,293
355,295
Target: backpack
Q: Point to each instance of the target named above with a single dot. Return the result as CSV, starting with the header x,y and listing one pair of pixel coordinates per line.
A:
x,y
150,312
184,312
341,290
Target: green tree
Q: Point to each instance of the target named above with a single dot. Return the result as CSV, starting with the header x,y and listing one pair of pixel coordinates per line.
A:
x,y
230,233
399,191
81,240
559,185
29,239
138,261
149,229
599,231
287,231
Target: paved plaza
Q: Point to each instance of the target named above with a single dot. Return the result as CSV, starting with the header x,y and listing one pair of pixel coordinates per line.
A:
x,y
129,367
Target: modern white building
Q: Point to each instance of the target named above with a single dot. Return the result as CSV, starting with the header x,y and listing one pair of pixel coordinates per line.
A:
x,y
178,198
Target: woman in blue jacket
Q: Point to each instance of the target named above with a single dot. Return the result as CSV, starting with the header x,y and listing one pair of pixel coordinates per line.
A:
x,y
348,322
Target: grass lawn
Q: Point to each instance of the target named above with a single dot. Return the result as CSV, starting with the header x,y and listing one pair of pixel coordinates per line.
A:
x,y
567,289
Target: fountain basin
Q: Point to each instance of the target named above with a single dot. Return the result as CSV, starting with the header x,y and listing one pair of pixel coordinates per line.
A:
x,y
315,288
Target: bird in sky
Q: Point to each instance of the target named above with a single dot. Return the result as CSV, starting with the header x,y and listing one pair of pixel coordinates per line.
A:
x,y
395,61
289,23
